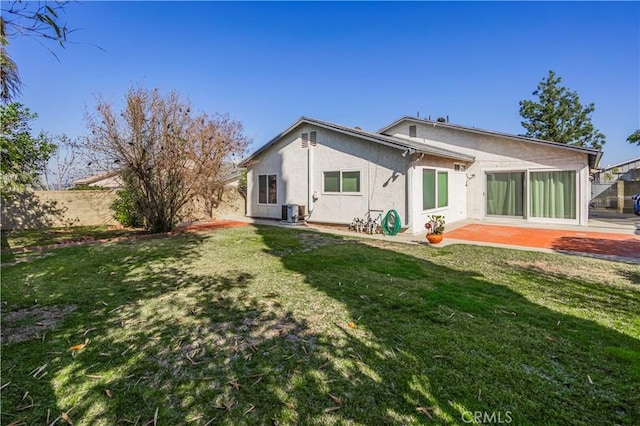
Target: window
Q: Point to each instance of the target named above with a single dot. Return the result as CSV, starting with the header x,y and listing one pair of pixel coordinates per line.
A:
x,y
267,189
505,194
435,189
553,194
412,131
342,182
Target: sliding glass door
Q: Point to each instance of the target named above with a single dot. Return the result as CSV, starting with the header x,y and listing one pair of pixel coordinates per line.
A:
x,y
553,194
505,194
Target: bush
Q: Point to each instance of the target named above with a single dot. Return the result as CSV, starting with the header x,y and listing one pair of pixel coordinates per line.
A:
x,y
125,209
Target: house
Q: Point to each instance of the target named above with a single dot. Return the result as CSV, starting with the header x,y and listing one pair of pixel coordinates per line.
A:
x,y
109,180
418,167
614,186
627,171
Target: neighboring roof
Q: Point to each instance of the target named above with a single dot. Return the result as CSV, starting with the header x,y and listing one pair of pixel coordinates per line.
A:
x,y
624,163
229,172
594,154
398,143
95,178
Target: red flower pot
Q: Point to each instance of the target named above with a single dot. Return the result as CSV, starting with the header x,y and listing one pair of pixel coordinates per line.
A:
x,y
435,238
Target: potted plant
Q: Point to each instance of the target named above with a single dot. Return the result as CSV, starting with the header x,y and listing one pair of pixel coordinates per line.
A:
x,y
435,228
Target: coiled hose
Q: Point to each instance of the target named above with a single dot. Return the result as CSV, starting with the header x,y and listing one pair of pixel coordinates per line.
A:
x,y
391,223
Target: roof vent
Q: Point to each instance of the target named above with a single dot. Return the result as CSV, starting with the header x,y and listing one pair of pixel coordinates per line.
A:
x,y
442,120
358,128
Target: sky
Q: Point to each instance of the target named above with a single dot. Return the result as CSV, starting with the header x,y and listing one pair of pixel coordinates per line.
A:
x,y
352,63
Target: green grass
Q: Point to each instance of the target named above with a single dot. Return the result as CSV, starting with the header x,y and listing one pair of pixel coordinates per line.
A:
x,y
252,326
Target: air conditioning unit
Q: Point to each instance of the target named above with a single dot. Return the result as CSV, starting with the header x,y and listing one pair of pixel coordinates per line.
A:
x,y
292,213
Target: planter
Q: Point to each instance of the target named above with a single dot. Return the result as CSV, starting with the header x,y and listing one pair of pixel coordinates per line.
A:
x,y
435,238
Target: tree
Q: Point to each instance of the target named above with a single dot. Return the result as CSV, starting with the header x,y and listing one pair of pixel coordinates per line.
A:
x,y
558,116
62,167
31,19
24,156
166,154
634,137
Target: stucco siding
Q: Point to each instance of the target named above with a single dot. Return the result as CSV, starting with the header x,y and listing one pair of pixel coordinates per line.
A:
x,y
382,176
494,153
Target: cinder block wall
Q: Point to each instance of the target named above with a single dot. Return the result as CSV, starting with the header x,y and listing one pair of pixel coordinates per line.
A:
x,y
626,189
44,209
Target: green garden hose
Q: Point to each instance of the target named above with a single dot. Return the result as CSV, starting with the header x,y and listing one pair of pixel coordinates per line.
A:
x,y
391,223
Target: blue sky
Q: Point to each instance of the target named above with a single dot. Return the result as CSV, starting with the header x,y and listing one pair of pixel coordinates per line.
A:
x,y
357,64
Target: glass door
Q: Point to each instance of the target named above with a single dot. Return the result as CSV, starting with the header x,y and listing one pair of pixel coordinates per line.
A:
x,y
505,194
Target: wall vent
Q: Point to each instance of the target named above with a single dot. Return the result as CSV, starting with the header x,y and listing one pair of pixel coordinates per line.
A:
x,y
305,140
313,138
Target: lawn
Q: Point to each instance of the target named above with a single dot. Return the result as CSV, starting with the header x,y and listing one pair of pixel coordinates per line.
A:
x,y
262,325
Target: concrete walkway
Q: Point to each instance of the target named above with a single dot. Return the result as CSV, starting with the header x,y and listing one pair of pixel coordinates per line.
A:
x,y
619,241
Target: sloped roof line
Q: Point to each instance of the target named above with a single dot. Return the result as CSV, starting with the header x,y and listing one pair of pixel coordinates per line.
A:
x,y
624,163
94,178
398,143
594,154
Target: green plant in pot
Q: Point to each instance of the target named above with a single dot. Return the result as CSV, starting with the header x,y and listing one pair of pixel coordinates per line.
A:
x,y
435,228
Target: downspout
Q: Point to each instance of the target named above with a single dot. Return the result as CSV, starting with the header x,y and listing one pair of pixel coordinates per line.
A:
x,y
369,194
409,192
310,200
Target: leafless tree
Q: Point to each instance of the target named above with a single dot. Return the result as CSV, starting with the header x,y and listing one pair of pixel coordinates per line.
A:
x,y
64,164
166,154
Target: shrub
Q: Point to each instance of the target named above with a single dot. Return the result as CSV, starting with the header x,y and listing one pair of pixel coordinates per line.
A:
x,y
125,210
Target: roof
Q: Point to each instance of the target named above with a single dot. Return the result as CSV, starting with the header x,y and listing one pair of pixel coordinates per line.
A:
x,y
95,178
594,154
398,143
229,172
624,163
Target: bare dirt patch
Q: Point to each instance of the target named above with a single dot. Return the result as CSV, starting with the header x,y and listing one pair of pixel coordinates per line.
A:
x,y
312,240
30,323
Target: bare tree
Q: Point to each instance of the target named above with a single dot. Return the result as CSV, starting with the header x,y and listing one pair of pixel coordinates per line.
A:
x,y
63,166
166,154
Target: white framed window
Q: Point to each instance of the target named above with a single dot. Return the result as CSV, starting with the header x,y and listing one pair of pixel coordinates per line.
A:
x,y
435,189
553,194
268,189
341,182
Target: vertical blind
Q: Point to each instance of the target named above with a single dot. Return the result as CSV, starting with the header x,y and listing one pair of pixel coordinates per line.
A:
x,y
553,194
428,189
505,194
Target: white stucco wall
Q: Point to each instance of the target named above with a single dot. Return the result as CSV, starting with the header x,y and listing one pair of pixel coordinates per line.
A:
x,y
457,196
382,176
494,153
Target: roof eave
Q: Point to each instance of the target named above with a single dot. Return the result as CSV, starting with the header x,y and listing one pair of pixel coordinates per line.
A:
x,y
493,133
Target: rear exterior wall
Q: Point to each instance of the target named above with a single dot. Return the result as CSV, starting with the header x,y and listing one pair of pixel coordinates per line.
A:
x,y
300,177
495,153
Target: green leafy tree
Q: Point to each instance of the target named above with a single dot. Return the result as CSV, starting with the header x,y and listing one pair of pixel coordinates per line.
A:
x,y
31,19
558,116
634,137
24,156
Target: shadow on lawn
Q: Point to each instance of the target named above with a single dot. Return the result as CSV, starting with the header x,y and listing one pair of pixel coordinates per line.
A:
x,y
196,347
450,340
170,342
